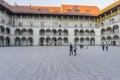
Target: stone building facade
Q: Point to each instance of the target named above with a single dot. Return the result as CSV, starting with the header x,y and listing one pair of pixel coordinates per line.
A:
x,y
57,26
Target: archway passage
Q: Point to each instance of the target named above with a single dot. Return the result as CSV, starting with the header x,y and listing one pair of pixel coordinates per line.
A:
x,y
41,41
30,41
7,41
1,40
17,41
116,40
114,43
92,41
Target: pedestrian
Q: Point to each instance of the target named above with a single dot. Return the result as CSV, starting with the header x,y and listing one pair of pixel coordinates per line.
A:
x,y
81,46
71,49
106,47
103,46
75,50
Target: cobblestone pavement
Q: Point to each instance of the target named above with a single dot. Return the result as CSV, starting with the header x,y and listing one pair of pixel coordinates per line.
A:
x,y
55,63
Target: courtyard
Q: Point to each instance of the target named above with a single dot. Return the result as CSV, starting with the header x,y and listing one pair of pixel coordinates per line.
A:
x,y
55,63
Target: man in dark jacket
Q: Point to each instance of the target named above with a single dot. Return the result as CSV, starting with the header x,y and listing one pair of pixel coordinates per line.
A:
x,y
71,49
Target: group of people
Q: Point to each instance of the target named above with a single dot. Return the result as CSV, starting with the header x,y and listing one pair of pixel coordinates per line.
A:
x,y
105,47
73,49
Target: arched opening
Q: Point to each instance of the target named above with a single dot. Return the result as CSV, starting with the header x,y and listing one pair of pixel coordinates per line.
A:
x,y
30,41
103,40
7,41
2,29
17,41
92,32
1,41
87,41
54,41
8,30
65,32
103,31
42,32
76,40
115,29
48,41
59,41
81,32
82,40
87,32
23,41
66,41
54,32
92,41
109,30
116,40
76,32
48,32
17,32
109,40
30,31
41,41
23,32
59,32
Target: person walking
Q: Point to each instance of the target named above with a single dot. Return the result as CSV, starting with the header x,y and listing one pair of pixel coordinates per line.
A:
x,y
71,49
75,50
103,46
106,47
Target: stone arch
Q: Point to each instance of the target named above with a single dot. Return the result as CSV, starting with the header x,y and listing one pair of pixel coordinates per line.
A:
x,y
23,41
17,41
30,31
41,41
103,31
42,32
59,32
81,40
30,41
115,29
81,32
48,41
54,41
54,31
66,41
103,40
76,32
1,40
76,40
17,32
116,39
23,31
65,31
92,32
8,30
2,29
87,32
92,41
59,41
87,41
48,32
7,39
109,30
109,40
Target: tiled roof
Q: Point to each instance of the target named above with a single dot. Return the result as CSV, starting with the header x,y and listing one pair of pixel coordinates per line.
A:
x,y
64,9
91,10
5,4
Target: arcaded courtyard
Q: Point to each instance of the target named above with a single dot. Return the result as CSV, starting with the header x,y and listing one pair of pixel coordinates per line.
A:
x,y
54,63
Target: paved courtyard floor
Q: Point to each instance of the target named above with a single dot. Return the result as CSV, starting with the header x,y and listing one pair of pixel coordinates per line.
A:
x,y
54,63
